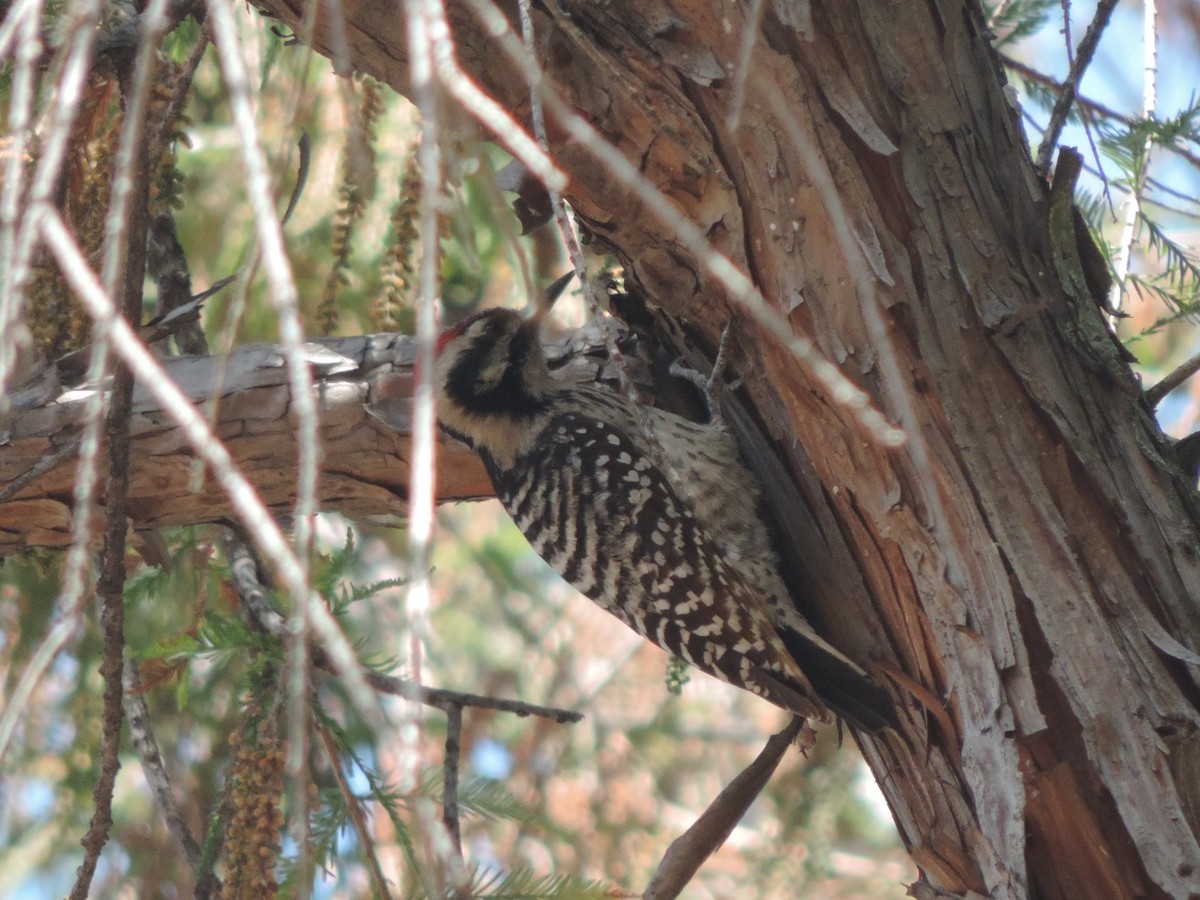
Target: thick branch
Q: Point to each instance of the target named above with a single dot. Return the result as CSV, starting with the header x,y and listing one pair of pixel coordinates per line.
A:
x,y
365,460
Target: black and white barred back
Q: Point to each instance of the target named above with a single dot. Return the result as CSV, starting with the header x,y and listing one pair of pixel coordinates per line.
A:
x,y
651,516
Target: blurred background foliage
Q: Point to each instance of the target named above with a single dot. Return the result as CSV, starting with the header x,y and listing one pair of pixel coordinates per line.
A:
x,y
549,809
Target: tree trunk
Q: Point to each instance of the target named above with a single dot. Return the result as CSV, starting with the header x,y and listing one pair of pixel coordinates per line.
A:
x,y
1024,571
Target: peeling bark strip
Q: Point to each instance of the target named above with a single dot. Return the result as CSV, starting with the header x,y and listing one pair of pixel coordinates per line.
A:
x,y
366,460
1058,620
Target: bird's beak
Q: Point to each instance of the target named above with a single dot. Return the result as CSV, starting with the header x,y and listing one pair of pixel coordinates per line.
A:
x,y
547,297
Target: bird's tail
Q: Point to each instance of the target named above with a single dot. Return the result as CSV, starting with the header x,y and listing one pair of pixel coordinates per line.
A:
x,y
841,685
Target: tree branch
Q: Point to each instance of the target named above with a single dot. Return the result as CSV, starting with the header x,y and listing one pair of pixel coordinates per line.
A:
x,y
365,471
1062,107
710,831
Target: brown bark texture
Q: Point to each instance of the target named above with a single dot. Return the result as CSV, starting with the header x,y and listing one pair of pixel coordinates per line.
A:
x,y
364,389
1024,572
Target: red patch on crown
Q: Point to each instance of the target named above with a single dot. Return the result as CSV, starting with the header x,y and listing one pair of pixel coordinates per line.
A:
x,y
458,328
446,337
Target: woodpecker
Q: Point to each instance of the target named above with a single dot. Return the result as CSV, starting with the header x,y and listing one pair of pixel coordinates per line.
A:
x,y
652,516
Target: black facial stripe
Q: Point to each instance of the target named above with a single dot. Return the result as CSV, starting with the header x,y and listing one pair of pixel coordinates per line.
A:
x,y
510,395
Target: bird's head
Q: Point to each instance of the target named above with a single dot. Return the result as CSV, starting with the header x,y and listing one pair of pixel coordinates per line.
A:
x,y
491,378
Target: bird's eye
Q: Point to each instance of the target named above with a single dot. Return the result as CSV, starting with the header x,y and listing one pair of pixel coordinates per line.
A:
x,y
490,327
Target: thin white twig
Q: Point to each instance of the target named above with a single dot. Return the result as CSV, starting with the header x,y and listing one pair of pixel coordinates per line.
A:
x,y
23,18
864,286
565,226
898,391
13,21
291,334
422,23
431,54
73,598
278,270
593,292
76,55
489,113
997,13
1133,203
749,37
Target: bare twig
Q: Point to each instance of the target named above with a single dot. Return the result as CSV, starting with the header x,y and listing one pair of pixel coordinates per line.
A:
x,y
898,389
997,12
1062,107
1066,31
489,113
71,598
864,284
1156,393
446,700
594,291
17,248
141,734
46,464
689,851
25,19
253,599
1152,182
749,38
17,17
428,34
1088,123
1133,202
431,61
1178,148
450,775
1027,71
538,116
354,811
291,333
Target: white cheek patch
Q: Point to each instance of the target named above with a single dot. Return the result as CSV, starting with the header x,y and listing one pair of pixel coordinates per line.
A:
x,y
498,363
490,375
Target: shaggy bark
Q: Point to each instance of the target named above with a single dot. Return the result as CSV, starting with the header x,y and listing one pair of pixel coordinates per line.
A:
x,y
1028,586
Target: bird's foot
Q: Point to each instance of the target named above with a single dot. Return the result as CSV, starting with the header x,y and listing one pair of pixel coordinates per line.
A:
x,y
708,383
